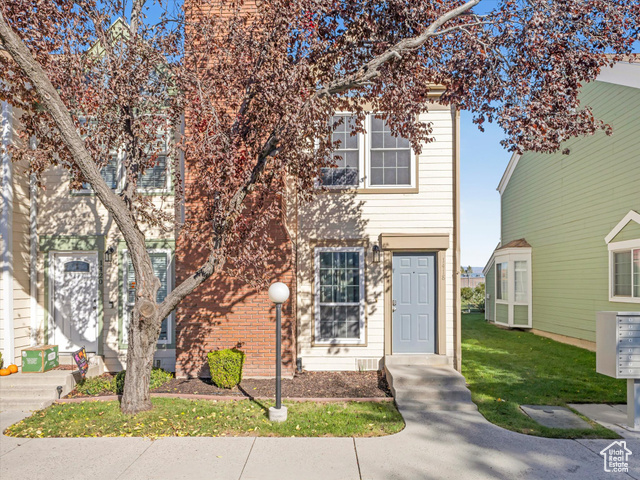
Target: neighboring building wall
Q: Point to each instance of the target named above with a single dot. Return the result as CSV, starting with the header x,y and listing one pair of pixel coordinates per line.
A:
x,y
565,205
21,287
65,216
354,216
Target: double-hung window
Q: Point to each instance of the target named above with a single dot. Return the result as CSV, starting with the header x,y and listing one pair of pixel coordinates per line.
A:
x,y
161,263
390,162
376,159
339,295
346,157
155,178
625,274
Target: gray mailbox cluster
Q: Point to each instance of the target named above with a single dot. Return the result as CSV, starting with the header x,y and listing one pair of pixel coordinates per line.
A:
x,y
618,344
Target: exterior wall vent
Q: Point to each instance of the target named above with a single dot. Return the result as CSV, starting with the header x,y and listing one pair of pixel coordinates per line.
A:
x,y
364,364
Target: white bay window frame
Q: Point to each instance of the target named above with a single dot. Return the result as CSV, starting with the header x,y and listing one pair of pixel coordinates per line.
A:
x,y
316,295
510,256
623,247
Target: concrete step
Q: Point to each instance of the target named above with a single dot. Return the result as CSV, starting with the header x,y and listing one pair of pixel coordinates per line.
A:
x,y
410,376
52,377
29,391
413,360
438,394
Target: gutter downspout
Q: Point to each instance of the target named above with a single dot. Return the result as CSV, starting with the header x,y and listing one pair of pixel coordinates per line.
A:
x,y
6,233
457,313
33,259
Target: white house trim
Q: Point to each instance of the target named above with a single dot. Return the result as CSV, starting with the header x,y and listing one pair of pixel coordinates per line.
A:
x,y
506,176
622,73
6,232
632,215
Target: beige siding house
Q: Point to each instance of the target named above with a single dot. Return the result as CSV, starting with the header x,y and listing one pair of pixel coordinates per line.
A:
x,y
66,278
376,257
15,288
377,252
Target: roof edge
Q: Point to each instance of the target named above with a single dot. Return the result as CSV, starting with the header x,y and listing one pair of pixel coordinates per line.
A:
x,y
506,176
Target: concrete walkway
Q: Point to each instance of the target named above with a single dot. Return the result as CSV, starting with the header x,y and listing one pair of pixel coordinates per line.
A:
x,y
436,444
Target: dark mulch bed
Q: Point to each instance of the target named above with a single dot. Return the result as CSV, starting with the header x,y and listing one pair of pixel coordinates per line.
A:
x,y
306,385
302,385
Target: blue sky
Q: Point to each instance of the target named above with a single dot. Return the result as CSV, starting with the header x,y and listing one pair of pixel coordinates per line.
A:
x,y
482,162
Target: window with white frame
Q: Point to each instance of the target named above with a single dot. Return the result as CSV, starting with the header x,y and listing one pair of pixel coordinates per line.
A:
x,y
161,263
390,156
502,285
346,156
375,159
521,276
625,273
513,287
339,295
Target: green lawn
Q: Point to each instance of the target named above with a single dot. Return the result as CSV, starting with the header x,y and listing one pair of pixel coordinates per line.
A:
x,y
509,368
210,418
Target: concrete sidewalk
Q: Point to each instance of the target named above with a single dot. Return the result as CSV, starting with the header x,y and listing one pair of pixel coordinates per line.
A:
x,y
434,445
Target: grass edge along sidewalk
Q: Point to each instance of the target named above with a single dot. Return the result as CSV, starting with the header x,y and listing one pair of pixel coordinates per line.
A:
x,y
508,368
211,418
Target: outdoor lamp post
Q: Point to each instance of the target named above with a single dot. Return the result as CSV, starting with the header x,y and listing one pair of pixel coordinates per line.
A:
x,y
278,294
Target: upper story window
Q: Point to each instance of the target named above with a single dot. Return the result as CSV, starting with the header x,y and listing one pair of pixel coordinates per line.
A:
x,y
155,179
346,156
390,156
375,159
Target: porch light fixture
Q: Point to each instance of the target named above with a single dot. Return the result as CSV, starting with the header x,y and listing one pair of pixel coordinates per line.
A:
x,y
376,253
108,254
278,294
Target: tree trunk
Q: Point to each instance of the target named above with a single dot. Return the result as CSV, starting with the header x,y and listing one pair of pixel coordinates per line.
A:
x,y
143,337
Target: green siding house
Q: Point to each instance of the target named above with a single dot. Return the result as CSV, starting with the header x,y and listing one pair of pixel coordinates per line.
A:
x,y
570,224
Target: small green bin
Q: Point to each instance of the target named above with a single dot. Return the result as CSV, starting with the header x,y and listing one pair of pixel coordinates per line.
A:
x,y
39,359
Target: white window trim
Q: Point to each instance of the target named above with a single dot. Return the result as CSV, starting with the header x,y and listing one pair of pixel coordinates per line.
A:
x,y
367,175
510,256
364,163
617,247
316,297
125,326
361,162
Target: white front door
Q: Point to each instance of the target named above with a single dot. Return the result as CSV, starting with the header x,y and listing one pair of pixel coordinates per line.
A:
x,y
75,301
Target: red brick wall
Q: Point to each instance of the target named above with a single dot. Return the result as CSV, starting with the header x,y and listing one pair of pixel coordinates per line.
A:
x,y
225,312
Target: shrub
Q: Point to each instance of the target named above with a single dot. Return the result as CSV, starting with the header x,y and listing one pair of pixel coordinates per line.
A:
x,y
226,367
158,378
96,385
